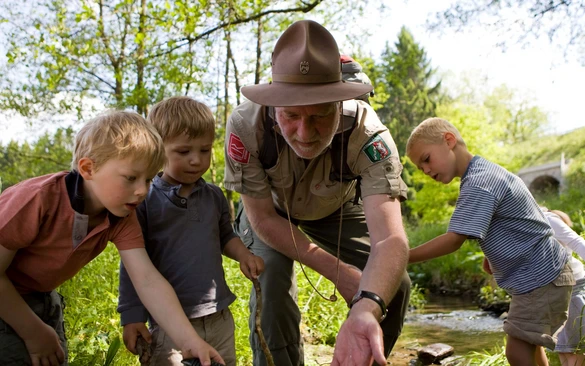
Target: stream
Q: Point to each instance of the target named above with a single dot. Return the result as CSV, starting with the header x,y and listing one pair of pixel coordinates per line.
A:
x,y
456,321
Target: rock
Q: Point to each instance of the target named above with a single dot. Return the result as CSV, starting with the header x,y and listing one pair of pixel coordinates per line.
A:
x,y
452,361
434,353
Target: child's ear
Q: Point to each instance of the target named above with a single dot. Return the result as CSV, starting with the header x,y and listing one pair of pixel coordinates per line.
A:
x,y
450,139
86,167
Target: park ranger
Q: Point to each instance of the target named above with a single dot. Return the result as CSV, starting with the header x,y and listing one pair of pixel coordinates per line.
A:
x,y
319,178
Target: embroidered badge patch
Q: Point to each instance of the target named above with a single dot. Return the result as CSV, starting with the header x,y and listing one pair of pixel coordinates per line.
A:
x,y
237,150
376,149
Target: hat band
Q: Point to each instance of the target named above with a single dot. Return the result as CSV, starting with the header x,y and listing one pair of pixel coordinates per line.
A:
x,y
306,79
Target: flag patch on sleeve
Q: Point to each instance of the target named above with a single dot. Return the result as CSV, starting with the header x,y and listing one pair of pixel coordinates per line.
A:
x,y
376,149
237,150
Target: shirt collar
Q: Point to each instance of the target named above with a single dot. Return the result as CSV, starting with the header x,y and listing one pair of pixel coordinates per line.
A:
x,y
74,184
475,157
172,191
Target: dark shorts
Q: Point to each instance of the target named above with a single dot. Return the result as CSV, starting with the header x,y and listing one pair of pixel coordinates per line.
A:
x,y
281,316
49,307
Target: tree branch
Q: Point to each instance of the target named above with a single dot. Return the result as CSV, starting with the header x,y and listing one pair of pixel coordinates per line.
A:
x,y
184,41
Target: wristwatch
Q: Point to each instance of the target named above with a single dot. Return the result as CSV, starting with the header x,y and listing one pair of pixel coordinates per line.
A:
x,y
372,296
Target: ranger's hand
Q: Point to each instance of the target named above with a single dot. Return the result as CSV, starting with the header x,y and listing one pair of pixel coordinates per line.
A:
x,y
360,341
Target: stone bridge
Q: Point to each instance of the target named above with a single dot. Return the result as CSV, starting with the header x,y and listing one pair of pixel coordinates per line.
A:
x,y
545,178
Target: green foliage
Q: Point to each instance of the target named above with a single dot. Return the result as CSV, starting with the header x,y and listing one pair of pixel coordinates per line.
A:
x,y
495,357
417,297
49,154
457,272
516,120
131,54
91,321
405,87
490,295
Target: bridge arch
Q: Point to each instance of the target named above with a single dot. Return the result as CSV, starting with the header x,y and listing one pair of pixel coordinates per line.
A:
x,y
546,178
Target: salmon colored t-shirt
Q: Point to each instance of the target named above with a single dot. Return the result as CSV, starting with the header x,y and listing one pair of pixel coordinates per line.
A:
x,y
37,220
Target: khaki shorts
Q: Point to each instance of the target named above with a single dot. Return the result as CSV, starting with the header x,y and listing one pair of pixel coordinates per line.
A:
x,y
217,329
538,316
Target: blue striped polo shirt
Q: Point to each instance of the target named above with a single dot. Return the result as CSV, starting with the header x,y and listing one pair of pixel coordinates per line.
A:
x,y
496,208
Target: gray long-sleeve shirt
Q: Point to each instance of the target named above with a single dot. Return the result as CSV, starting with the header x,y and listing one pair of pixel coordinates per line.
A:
x,y
184,238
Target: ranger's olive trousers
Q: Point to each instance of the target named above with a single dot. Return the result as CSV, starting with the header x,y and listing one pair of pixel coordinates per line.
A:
x,y
280,314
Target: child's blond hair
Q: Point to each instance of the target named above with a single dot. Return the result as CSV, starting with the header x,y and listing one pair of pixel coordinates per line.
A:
x,y
432,131
119,135
182,115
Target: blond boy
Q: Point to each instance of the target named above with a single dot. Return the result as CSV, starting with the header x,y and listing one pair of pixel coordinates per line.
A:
x,y
51,226
496,208
187,227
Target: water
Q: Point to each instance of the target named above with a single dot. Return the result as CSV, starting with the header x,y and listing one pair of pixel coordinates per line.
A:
x,y
455,321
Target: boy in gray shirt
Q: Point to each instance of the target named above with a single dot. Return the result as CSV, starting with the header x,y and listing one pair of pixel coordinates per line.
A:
x,y
186,226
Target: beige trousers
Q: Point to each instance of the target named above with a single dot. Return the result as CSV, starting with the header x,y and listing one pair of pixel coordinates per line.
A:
x,y
216,329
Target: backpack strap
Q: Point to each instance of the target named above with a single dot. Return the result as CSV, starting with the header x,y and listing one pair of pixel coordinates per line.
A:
x,y
271,148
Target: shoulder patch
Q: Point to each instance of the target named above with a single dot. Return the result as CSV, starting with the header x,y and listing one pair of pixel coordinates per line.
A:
x,y
376,149
237,150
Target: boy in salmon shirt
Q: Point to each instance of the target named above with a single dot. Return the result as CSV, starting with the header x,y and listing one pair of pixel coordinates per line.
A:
x,y
51,226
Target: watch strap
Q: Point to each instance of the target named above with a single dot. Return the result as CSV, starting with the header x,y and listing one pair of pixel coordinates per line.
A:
x,y
372,296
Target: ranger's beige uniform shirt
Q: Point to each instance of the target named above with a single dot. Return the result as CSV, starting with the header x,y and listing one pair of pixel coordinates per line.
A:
x,y
307,188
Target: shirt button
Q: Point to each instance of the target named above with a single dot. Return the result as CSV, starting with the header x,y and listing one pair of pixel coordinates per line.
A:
x,y
183,201
317,186
389,168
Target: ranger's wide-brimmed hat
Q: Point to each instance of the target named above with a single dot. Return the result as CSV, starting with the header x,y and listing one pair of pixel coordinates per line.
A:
x,y
306,70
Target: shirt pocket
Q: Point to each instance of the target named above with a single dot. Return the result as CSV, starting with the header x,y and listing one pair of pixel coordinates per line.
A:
x,y
280,175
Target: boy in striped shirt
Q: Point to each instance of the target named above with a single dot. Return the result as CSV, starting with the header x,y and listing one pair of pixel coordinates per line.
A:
x,y
496,208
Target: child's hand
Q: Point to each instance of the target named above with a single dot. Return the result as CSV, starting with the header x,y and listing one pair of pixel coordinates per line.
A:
x,y
131,333
198,348
45,348
251,266
486,266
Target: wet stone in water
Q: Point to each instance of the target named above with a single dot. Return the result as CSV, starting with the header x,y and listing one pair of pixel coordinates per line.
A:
x,y
434,353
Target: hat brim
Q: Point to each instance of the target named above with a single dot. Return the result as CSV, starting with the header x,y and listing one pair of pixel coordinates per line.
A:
x,y
290,94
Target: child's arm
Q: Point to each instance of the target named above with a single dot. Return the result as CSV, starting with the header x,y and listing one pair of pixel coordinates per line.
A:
x,y
133,314
567,236
437,247
250,265
161,301
42,342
